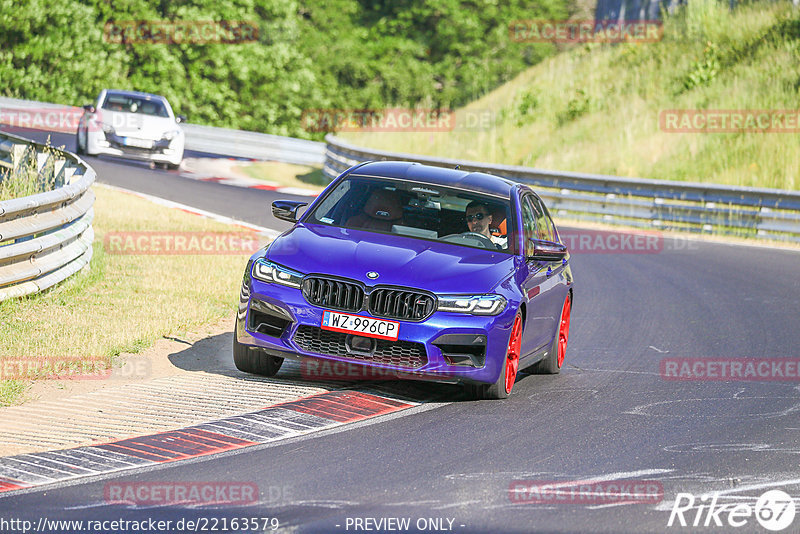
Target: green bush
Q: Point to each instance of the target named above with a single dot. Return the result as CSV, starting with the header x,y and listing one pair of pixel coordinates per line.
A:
x,y
703,70
310,54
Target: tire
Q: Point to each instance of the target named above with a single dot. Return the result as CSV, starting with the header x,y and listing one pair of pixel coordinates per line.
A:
x,y
252,359
551,365
508,375
78,149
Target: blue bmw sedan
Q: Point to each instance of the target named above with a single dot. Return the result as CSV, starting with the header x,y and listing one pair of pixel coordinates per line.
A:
x,y
425,272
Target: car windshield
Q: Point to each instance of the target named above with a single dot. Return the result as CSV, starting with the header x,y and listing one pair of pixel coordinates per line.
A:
x,y
135,104
418,210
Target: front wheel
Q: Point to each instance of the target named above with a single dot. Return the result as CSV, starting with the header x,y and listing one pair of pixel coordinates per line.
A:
x,y
252,359
551,365
80,149
501,389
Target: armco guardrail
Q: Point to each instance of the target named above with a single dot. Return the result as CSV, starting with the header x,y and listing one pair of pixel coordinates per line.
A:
x,y
654,204
208,139
46,237
253,145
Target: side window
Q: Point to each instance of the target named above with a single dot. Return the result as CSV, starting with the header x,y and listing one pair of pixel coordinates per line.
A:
x,y
528,225
544,224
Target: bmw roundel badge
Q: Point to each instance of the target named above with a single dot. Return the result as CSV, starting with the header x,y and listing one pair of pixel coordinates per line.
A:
x,y
372,275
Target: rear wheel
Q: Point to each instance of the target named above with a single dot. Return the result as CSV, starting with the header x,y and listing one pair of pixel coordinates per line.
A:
x,y
558,350
253,359
508,375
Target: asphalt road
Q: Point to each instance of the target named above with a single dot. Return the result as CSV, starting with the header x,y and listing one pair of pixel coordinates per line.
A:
x,y
610,415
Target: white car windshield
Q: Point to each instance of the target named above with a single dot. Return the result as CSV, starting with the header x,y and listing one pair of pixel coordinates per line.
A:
x,y
135,104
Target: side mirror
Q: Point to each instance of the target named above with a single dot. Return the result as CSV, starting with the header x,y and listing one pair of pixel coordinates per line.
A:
x,y
286,210
547,251
89,108
180,118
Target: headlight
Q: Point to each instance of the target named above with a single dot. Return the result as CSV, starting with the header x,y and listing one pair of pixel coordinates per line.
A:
x,y
170,135
266,271
107,128
473,304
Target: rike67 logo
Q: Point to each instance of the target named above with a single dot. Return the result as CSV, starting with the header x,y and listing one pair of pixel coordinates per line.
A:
x,y
774,510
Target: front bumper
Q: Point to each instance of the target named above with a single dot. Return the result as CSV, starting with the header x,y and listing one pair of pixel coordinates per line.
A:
x,y
162,151
446,347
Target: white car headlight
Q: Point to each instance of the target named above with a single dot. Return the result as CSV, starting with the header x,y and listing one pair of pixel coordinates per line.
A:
x,y
107,128
170,135
266,271
472,304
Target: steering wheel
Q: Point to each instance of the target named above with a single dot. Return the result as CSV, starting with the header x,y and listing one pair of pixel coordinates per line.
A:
x,y
485,241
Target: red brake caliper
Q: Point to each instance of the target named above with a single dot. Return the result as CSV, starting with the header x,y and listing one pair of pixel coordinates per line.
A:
x,y
512,357
563,331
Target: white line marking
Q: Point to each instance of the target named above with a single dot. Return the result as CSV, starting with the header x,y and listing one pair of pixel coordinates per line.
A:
x,y
611,505
641,409
46,459
786,482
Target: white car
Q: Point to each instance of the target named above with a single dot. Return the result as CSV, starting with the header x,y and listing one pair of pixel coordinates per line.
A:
x,y
133,125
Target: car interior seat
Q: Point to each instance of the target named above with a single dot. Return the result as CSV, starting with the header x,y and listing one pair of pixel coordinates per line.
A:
x,y
382,210
499,227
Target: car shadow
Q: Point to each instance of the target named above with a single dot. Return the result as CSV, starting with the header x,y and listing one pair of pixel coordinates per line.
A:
x,y
214,354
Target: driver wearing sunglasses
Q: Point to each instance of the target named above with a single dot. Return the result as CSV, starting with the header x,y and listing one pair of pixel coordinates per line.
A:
x,y
479,220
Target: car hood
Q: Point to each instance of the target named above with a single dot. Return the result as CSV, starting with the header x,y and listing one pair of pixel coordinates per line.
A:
x,y
399,260
137,125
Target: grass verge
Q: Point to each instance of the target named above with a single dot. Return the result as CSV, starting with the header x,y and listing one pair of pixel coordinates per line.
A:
x,y
595,108
124,302
285,174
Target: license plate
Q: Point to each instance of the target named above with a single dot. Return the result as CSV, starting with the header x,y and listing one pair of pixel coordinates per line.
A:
x,y
359,325
139,143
